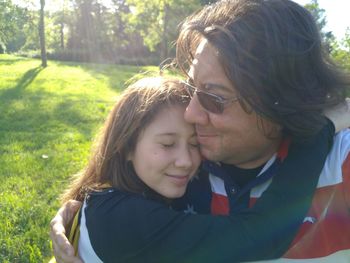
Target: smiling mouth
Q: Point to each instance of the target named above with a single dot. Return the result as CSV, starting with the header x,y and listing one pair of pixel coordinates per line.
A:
x,y
204,139
206,135
179,179
178,176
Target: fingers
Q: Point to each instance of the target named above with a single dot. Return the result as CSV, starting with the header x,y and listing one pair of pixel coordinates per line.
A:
x,y
68,210
62,249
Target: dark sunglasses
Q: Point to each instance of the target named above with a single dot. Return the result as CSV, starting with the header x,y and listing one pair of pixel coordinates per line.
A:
x,y
209,101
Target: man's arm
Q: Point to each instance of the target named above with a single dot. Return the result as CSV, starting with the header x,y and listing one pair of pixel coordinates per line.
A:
x,y
340,115
248,229
62,249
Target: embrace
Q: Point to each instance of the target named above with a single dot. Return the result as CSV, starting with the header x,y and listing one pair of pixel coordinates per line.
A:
x,y
248,159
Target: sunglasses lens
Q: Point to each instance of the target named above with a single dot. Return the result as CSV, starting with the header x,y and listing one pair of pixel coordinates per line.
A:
x,y
207,101
210,103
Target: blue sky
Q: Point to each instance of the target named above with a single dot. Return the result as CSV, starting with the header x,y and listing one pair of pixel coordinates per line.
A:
x,y
337,13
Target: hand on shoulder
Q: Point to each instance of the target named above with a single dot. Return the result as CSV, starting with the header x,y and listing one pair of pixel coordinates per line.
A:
x,y
62,249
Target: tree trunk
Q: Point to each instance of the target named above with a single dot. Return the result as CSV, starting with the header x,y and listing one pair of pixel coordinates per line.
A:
x,y
164,42
42,34
62,35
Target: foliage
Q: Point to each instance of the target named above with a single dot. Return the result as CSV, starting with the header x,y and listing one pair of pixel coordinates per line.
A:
x,y
2,47
341,50
12,20
54,112
319,14
31,32
120,31
207,2
114,31
157,21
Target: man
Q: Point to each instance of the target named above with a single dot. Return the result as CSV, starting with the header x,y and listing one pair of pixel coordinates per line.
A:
x,y
258,79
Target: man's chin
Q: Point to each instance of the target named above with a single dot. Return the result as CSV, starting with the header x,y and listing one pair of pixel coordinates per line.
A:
x,y
209,154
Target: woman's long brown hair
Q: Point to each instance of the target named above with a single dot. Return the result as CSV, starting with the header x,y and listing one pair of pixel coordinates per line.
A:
x,y
135,109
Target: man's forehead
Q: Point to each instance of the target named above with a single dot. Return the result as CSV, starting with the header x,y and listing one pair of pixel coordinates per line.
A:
x,y
200,56
198,53
202,45
204,48
204,60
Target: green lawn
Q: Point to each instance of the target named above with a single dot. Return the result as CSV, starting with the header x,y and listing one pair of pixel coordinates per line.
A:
x,y
48,118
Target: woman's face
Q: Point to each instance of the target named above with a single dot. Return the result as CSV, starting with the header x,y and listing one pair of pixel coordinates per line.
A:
x,y
166,155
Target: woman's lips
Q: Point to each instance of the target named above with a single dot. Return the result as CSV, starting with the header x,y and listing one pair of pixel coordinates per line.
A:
x,y
179,179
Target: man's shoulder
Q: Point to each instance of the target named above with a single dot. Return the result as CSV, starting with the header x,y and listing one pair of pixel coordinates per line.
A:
x,y
341,146
332,172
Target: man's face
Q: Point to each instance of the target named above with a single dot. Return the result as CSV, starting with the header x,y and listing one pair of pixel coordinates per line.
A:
x,y
232,137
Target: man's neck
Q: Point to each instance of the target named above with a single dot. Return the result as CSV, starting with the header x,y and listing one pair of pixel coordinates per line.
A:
x,y
259,159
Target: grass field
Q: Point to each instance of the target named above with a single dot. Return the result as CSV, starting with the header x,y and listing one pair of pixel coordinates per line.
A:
x,y
48,118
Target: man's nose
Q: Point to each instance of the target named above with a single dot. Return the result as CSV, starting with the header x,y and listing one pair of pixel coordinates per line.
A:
x,y
195,113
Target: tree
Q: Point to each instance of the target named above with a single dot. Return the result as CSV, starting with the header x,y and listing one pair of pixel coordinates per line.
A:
x,y
321,20
6,20
157,21
12,20
60,18
42,34
207,2
121,31
87,30
341,50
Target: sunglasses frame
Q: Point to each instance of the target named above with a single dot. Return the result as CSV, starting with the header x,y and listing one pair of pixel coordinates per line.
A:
x,y
216,100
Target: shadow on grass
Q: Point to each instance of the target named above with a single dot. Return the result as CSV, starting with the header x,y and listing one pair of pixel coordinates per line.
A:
x,y
33,111
38,111
21,85
10,61
28,77
118,76
41,113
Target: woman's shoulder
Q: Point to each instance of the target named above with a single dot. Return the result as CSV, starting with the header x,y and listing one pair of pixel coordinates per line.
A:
x,y
112,200
119,222
108,218
112,206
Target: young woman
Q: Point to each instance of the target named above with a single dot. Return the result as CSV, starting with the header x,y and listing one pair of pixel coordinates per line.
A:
x,y
146,156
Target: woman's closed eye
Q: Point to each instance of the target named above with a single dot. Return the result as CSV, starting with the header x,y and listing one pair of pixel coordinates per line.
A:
x,y
194,143
167,144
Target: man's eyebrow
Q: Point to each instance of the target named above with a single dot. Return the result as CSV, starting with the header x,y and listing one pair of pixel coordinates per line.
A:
x,y
212,87
209,86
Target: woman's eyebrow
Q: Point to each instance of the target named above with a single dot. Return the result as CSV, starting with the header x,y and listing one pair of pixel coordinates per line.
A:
x,y
168,134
